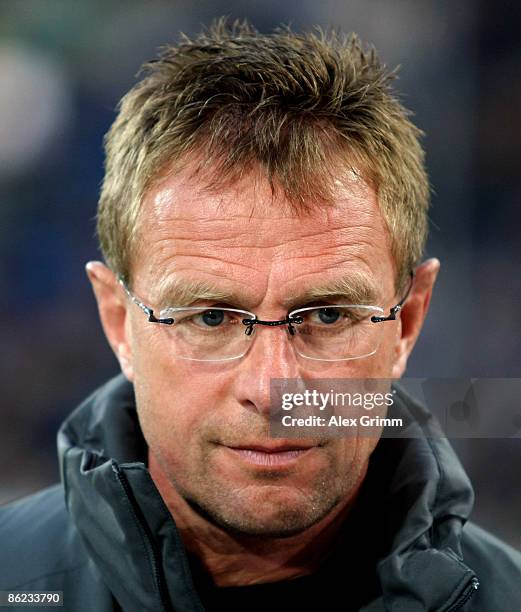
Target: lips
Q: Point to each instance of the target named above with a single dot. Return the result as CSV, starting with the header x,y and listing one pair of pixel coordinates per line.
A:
x,y
273,448
271,456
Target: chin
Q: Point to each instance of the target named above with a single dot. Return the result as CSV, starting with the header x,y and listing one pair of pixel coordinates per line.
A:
x,y
275,512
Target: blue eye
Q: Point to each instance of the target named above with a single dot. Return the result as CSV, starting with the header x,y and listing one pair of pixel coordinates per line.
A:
x,y
328,315
213,318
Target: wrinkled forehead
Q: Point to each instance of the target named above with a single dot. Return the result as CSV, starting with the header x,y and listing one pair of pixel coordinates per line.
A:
x,y
247,230
183,196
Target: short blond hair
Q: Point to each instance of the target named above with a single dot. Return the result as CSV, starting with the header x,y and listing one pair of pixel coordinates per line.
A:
x,y
286,102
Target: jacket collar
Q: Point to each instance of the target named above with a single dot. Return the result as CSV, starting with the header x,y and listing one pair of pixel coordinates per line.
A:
x,y
133,540
426,501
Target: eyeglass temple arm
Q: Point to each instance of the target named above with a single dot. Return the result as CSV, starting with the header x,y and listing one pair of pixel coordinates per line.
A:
x,y
395,309
146,309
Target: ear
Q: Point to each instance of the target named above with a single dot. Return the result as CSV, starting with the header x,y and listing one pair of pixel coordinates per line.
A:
x,y
112,309
413,313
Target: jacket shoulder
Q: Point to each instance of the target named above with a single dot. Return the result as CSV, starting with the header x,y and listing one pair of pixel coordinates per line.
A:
x,y
38,539
497,566
42,550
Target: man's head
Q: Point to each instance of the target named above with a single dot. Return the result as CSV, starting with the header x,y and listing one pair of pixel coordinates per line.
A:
x,y
263,173
302,108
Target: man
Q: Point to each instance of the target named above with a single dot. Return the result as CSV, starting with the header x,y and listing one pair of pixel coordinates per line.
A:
x,y
249,177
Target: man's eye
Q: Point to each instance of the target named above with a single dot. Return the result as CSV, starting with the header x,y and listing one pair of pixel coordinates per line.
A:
x,y
210,318
327,316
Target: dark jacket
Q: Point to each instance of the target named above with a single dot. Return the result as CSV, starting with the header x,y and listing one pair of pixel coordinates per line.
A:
x,y
105,538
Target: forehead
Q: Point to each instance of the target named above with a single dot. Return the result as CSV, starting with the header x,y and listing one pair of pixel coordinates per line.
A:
x,y
244,236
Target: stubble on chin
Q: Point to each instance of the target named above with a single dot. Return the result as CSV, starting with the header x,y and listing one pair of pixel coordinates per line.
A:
x,y
271,505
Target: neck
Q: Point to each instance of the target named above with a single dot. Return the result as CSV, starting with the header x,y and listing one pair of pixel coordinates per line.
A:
x,y
234,560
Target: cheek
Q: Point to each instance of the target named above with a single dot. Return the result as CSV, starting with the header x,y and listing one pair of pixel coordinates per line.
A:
x,y
357,448
349,457
177,403
381,363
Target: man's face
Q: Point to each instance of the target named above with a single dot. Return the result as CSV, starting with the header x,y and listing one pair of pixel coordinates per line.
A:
x,y
200,418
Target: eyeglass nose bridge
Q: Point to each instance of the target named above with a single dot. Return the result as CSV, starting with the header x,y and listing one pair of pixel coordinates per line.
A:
x,y
289,321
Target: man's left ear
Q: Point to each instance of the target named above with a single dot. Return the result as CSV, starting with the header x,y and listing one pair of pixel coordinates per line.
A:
x,y
413,313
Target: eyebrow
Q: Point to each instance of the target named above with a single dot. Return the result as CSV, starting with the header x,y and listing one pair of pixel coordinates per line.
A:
x,y
353,289
183,292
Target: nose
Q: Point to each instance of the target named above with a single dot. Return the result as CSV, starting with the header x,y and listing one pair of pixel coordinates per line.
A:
x,y
270,356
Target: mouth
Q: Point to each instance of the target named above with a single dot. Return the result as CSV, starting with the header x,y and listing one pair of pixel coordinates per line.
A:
x,y
271,455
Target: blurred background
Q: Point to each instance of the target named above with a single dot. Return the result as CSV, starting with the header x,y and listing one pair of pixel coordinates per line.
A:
x,y
63,67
